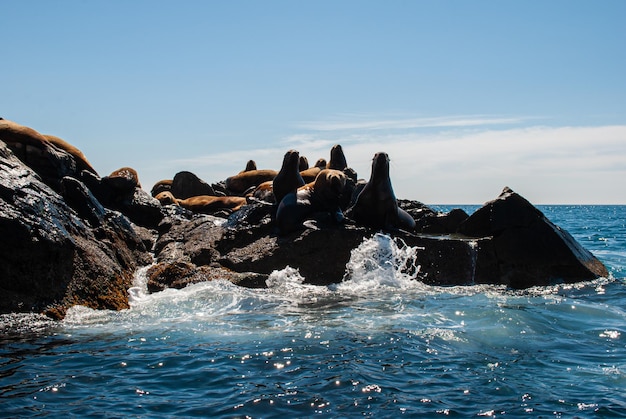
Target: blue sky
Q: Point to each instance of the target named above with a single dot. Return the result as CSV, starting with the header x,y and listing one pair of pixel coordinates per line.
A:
x,y
465,96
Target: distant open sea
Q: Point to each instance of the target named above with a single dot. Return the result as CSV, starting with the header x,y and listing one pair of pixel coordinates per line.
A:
x,y
377,345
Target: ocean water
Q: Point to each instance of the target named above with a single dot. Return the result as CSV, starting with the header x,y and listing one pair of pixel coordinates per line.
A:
x,y
380,344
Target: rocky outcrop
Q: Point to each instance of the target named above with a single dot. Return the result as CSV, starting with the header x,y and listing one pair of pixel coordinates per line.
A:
x,y
507,242
529,249
54,254
70,237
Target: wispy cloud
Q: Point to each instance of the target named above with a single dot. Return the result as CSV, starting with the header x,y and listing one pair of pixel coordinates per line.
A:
x,y
455,164
363,122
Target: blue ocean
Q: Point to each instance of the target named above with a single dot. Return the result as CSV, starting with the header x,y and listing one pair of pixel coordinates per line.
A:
x,y
380,344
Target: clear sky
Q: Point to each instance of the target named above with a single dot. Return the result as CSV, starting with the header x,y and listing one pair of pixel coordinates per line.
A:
x,y
465,96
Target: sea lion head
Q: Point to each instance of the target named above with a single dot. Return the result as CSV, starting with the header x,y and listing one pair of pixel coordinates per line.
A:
x,y
291,161
337,158
321,163
380,168
329,185
251,165
303,163
166,198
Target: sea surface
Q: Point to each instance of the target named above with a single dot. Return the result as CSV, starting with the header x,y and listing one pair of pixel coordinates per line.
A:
x,y
380,344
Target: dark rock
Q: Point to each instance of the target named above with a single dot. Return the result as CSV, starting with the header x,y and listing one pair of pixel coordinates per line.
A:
x,y
441,223
248,243
186,184
50,258
180,274
529,248
141,208
80,198
122,193
122,181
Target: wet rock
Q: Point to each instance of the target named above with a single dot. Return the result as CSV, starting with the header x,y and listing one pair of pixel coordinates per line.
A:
x,y
181,274
122,192
50,257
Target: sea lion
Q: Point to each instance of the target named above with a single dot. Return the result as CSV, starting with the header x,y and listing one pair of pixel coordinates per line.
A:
x,y
166,198
243,181
337,158
289,178
29,145
251,165
321,163
303,163
376,205
123,180
321,196
310,174
264,192
207,204
161,186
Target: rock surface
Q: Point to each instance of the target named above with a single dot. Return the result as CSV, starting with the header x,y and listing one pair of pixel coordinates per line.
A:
x,y
50,257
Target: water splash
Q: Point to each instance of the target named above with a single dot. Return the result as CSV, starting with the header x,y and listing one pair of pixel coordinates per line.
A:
x,y
381,261
473,248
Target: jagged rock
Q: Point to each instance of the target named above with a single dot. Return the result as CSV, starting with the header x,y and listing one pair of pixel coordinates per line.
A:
x,y
529,249
180,274
321,254
50,258
186,184
441,223
123,193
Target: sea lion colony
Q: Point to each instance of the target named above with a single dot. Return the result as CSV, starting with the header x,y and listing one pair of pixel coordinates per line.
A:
x,y
329,189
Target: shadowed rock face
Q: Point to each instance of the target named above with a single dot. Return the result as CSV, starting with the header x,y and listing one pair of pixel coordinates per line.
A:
x,y
529,248
50,258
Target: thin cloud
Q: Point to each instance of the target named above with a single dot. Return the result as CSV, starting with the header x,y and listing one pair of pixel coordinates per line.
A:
x,y
364,123
457,165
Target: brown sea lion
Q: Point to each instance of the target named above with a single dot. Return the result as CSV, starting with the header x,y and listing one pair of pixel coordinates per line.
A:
x,y
321,163
321,196
264,192
376,205
337,158
161,186
243,181
122,181
81,160
289,178
207,204
310,174
166,198
29,145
